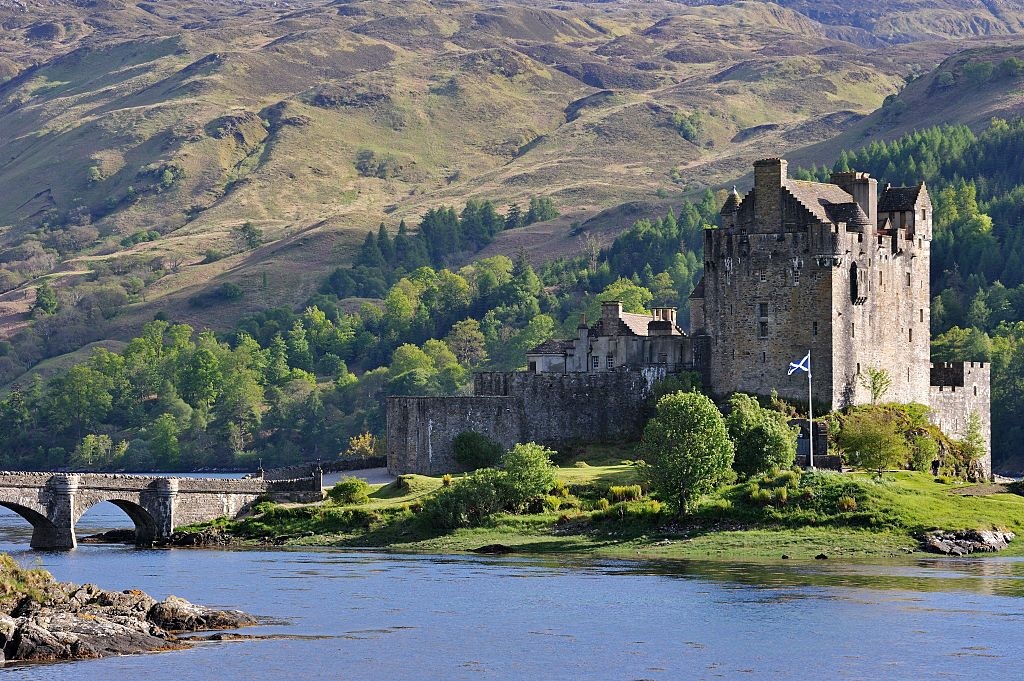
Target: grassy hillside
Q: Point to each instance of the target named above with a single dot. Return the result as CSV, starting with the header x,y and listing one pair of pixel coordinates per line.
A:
x,y
181,121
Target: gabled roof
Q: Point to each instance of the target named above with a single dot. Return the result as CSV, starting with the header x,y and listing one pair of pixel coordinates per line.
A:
x,y
551,347
899,199
815,196
850,213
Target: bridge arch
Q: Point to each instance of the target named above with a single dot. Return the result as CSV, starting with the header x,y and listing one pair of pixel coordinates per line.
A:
x,y
142,518
44,530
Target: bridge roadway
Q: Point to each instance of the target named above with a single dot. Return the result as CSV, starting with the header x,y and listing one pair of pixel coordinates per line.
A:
x,y
53,502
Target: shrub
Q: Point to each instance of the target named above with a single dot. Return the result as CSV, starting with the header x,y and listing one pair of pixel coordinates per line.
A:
x,y
473,451
846,504
529,473
468,502
552,504
560,489
446,480
213,255
762,437
625,492
350,491
364,446
602,504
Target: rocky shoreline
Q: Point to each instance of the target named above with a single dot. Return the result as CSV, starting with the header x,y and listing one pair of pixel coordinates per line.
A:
x,y
73,622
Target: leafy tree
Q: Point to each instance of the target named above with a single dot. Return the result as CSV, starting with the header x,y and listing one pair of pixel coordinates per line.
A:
x,y
686,450
873,440
762,438
78,400
163,441
200,378
46,298
877,382
467,341
973,444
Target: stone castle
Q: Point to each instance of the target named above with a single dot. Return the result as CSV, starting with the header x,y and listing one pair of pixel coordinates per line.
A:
x,y
834,268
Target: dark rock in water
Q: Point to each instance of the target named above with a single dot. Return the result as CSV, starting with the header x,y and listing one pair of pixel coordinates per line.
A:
x,y
73,622
111,537
177,615
494,549
964,542
211,536
821,556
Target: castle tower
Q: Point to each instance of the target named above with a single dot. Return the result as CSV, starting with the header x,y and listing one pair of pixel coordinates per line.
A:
x,y
827,267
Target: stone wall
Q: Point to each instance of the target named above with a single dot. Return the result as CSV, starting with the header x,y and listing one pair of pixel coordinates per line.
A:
x,y
551,409
958,390
53,503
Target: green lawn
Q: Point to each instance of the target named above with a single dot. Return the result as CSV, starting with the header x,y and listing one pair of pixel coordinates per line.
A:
x,y
888,516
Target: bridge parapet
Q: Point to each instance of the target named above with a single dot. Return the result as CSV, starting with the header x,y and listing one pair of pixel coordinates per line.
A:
x,y
157,505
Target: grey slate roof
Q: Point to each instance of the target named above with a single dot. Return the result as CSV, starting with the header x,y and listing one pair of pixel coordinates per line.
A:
x,y
850,213
899,199
815,196
552,347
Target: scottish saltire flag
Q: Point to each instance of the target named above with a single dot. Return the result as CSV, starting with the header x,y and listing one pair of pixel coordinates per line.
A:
x,y
802,365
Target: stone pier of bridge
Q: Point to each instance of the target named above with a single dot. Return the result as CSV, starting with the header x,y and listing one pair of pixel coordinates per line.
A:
x,y
54,502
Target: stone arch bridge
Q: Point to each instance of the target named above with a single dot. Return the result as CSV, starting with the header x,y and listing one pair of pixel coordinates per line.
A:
x,y
53,502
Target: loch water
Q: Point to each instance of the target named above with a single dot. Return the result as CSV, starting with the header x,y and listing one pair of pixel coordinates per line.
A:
x,y
374,615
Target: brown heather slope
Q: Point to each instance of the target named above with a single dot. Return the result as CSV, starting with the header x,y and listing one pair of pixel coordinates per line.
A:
x,y
188,118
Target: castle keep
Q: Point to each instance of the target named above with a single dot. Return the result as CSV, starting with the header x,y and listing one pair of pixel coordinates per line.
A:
x,y
838,268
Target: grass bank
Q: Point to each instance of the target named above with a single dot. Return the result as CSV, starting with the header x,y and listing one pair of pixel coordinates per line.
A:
x,y
595,509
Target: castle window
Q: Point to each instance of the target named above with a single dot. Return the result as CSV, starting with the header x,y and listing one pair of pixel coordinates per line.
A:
x,y
910,335
595,363
762,274
922,313
610,361
858,368
908,278
764,357
762,329
762,310
533,366
814,328
975,391
796,277
853,329
908,374
663,358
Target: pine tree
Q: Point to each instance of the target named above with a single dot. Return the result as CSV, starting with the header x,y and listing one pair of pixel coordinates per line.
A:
x,y
369,254
384,245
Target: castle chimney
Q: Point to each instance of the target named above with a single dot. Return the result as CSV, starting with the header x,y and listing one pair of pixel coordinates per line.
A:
x,y
769,178
611,313
864,190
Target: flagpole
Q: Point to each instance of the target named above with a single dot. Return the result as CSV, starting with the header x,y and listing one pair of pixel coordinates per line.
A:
x,y
810,414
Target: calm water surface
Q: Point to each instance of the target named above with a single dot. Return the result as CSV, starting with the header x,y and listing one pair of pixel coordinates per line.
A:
x,y
360,615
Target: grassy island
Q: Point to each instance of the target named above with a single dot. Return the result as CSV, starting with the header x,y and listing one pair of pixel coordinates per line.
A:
x,y
598,507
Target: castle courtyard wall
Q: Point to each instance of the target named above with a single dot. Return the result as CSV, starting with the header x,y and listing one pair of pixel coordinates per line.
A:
x,y
511,407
